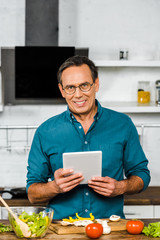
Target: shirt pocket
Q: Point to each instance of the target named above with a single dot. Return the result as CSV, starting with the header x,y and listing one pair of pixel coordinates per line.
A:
x,y
112,159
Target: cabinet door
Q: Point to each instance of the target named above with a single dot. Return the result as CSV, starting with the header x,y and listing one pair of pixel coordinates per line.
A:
x,y
157,211
138,211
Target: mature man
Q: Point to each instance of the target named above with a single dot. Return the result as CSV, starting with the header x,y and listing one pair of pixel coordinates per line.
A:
x,y
85,126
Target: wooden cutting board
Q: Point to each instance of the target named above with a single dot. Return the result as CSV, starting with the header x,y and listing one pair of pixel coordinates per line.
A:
x,y
59,229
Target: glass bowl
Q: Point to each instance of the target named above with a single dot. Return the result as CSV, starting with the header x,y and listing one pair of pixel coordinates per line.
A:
x,y
37,218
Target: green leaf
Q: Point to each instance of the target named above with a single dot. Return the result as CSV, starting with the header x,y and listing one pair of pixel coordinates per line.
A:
x,y
153,229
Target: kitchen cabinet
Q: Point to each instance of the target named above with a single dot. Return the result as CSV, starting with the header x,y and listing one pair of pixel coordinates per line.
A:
x,y
139,211
129,107
157,211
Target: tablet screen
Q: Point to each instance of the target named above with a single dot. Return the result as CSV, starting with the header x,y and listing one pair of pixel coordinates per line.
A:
x,y
88,163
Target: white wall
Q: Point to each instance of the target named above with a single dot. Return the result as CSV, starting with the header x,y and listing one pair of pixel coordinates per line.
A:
x,y
12,22
104,26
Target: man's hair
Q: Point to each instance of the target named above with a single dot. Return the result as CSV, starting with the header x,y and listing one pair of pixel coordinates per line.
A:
x,y
77,61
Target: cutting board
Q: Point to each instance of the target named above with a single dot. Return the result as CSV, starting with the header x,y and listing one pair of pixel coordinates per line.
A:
x,y
59,229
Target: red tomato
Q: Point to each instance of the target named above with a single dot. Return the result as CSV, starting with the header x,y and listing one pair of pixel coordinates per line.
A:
x,y
94,230
134,226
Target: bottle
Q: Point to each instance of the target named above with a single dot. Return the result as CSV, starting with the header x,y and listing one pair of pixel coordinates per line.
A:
x,y
143,95
157,85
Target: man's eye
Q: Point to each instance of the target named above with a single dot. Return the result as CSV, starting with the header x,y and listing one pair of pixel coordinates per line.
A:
x,y
84,85
70,87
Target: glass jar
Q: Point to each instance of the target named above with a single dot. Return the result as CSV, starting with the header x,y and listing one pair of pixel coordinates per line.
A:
x,y
143,94
157,83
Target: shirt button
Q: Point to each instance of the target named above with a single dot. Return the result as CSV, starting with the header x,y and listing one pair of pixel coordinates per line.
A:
x,y
86,142
87,193
86,210
80,127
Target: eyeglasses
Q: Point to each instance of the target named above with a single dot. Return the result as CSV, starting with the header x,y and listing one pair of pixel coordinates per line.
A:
x,y
84,87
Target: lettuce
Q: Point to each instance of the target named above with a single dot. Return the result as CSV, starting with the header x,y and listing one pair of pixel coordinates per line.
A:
x,y
36,222
153,229
5,228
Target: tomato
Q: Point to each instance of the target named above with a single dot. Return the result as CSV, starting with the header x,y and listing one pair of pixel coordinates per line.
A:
x,y
94,230
134,226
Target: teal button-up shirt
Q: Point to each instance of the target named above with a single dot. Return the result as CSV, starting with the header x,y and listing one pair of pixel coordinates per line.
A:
x,y
122,156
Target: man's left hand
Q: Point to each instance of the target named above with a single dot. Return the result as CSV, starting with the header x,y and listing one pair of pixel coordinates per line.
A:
x,y
106,186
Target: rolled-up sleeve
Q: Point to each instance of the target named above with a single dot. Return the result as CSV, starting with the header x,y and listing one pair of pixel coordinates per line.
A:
x,y
38,165
135,161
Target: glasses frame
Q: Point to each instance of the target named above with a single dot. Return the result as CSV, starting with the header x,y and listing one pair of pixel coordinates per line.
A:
x,y
90,84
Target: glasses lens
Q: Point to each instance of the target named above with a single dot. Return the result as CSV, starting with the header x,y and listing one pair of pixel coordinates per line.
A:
x,y
85,87
70,89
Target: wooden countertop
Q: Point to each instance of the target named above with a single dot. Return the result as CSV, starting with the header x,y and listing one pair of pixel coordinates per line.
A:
x,y
151,196
121,235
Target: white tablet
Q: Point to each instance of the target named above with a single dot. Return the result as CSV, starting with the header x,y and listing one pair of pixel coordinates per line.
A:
x,y
88,163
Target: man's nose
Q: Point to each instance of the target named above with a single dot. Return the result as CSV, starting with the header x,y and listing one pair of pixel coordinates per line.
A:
x,y
78,92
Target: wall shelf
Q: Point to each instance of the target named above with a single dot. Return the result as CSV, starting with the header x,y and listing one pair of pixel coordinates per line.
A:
x,y
126,63
132,107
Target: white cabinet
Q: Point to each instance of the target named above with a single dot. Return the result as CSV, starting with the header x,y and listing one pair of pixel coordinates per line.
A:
x,y
139,211
157,211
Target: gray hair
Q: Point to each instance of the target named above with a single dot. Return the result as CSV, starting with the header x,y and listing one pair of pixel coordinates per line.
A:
x,y
77,61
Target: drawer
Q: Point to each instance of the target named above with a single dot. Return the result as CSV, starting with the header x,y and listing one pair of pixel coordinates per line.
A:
x,y
157,211
139,211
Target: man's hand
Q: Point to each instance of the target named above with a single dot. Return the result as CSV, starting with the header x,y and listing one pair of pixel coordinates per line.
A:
x,y
110,187
65,179
106,186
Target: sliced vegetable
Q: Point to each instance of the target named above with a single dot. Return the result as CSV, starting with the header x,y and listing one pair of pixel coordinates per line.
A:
x,y
114,218
153,229
36,222
71,220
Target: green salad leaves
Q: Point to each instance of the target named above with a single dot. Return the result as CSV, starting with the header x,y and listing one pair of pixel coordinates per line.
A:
x,y
153,229
5,228
37,224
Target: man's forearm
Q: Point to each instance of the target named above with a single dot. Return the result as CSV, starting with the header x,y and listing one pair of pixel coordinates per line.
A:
x,y
42,192
132,185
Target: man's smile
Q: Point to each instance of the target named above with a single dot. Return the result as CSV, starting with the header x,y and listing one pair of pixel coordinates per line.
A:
x,y
80,103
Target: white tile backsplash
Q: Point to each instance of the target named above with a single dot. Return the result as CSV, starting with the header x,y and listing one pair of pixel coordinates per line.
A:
x,y
14,162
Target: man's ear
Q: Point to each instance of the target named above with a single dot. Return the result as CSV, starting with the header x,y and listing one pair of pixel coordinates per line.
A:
x,y
61,90
97,84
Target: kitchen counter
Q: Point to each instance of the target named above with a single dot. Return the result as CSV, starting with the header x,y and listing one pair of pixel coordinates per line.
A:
x,y
113,235
151,196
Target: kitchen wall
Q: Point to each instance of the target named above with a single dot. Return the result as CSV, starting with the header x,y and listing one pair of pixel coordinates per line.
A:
x,y
104,26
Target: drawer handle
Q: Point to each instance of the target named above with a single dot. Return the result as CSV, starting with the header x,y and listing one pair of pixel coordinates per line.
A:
x,y
131,213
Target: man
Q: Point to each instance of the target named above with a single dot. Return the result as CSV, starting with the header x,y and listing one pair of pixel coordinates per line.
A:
x,y
85,126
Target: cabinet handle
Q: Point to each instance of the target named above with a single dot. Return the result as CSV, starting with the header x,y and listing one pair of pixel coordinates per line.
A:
x,y
131,213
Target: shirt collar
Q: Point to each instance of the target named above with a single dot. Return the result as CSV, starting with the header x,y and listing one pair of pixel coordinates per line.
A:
x,y
71,117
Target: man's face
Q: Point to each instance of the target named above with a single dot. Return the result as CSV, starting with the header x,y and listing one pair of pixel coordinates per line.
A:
x,y
79,102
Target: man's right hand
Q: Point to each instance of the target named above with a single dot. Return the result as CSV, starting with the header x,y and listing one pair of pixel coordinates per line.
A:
x,y
65,179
